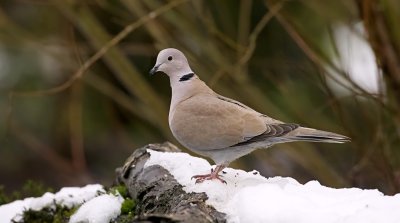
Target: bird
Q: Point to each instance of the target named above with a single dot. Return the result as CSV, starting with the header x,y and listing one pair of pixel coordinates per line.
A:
x,y
219,127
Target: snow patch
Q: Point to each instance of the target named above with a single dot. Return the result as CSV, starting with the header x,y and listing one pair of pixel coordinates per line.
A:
x,y
249,197
67,197
101,209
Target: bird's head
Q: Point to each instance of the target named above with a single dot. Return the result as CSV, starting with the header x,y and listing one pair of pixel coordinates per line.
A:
x,y
173,63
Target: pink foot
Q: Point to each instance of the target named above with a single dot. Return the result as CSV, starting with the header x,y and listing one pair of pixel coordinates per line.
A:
x,y
213,175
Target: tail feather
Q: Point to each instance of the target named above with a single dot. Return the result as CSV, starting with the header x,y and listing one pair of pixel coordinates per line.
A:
x,y
314,135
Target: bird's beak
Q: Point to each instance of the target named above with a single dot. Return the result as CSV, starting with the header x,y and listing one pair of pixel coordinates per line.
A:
x,y
154,69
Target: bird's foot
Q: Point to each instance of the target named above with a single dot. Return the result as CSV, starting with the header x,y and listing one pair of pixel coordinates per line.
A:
x,y
202,178
211,176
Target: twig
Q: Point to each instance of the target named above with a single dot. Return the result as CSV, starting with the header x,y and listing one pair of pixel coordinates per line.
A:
x,y
114,41
75,117
259,27
88,63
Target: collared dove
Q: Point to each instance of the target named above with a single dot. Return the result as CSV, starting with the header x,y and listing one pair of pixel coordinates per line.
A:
x,y
219,127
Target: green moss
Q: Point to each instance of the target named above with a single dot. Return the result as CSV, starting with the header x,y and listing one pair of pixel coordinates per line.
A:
x,y
127,211
121,189
62,214
34,189
128,206
29,189
4,199
58,215
44,215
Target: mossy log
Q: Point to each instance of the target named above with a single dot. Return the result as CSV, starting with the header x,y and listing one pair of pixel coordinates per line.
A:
x,y
159,197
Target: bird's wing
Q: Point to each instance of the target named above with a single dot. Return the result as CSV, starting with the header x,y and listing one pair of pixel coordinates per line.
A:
x,y
210,121
274,128
273,131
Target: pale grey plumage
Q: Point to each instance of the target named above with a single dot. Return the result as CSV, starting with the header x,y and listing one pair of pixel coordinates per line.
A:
x,y
219,127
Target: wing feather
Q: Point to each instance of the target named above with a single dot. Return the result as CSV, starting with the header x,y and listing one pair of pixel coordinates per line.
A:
x,y
273,131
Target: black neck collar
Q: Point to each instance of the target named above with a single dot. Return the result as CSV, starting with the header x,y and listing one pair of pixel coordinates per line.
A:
x,y
186,77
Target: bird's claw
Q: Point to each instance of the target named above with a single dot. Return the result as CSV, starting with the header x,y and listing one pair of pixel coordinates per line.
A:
x,y
202,178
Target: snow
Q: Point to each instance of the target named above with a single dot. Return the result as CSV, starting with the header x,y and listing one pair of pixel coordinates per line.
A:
x,y
67,197
99,210
249,197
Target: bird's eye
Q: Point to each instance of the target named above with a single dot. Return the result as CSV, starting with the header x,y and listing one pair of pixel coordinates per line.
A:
x,y
170,58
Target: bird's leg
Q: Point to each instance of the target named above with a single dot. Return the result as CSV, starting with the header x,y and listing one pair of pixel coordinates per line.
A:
x,y
213,175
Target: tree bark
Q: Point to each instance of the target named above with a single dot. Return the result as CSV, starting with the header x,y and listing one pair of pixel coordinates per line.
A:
x,y
159,197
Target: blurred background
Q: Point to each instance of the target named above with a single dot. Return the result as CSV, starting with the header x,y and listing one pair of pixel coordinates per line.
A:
x,y
76,99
